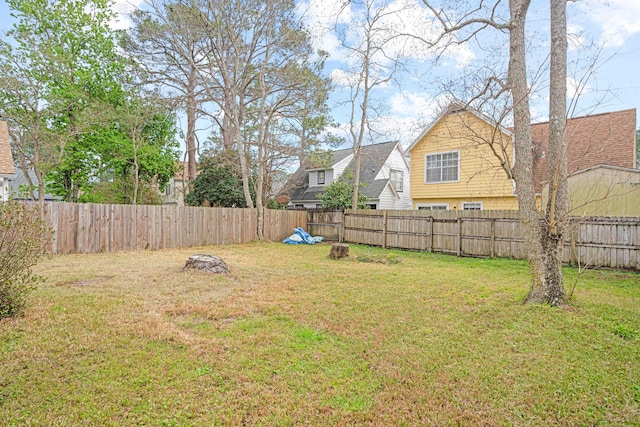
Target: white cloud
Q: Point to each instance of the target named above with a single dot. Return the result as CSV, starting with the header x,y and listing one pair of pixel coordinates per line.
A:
x,y
319,17
575,36
576,88
343,78
387,128
407,117
123,8
618,19
416,105
404,26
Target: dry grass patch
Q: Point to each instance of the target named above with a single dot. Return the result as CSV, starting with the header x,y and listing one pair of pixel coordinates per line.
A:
x,y
292,337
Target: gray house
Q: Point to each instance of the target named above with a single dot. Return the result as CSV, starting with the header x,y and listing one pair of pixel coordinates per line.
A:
x,y
7,170
384,177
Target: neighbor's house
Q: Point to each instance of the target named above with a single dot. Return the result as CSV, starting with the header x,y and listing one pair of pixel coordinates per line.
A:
x,y
384,177
453,165
603,190
7,170
601,161
177,186
19,185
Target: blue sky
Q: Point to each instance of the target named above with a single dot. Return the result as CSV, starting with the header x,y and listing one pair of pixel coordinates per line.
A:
x,y
610,28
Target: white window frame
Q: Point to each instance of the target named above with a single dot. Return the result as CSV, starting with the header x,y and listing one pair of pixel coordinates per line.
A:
x,y
433,205
396,181
324,177
464,206
436,154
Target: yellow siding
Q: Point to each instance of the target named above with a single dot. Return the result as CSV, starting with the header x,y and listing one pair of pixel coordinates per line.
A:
x,y
603,192
488,203
481,176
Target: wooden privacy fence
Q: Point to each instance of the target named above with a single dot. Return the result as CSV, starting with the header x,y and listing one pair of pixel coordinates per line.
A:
x,y
90,228
327,223
596,242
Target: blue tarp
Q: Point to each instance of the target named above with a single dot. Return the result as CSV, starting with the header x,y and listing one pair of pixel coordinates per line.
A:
x,y
300,236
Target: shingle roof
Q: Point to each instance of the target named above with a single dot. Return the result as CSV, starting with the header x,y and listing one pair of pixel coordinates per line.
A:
x,y
607,139
372,160
6,158
20,180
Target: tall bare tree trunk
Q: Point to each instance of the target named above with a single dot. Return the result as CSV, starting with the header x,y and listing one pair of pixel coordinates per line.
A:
x,y
136,171
558,203
240,147
191,125
357,146
523,168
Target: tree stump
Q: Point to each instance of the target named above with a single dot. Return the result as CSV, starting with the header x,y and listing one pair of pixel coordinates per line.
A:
x,y
208,263
339,250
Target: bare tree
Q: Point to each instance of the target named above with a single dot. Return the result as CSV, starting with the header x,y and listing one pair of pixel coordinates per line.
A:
x,y
542,233
372,63
165,45
255,63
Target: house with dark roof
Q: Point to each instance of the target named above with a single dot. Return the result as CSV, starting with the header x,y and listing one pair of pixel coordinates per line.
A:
x,y
456,163
384,177
19,185
7,170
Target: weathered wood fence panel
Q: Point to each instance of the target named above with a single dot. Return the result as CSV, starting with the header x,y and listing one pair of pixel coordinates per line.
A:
x,y
279,224
596,242
327,223
89,228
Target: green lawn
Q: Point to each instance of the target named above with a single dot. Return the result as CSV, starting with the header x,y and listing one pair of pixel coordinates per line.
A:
x,y
292,337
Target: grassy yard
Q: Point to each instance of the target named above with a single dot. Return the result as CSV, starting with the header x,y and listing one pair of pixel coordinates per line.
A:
x,y
292,337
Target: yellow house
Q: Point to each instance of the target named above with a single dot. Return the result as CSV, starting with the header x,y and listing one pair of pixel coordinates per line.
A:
x,y
460,162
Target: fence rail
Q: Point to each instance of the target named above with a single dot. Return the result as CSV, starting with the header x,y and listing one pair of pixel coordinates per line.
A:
x,y
90,228
597,242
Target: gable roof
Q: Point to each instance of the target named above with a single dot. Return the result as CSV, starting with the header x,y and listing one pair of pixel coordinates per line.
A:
x,y
373,158
607,138
6,158
457,107
599,139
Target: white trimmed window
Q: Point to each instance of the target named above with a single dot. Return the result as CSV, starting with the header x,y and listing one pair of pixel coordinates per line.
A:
x,y
433,207
397,179
320,177
442,167
471,206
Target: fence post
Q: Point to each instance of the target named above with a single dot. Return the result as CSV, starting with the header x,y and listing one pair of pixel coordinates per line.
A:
x,y
384,229
431,234
493,237
573,226
459,236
